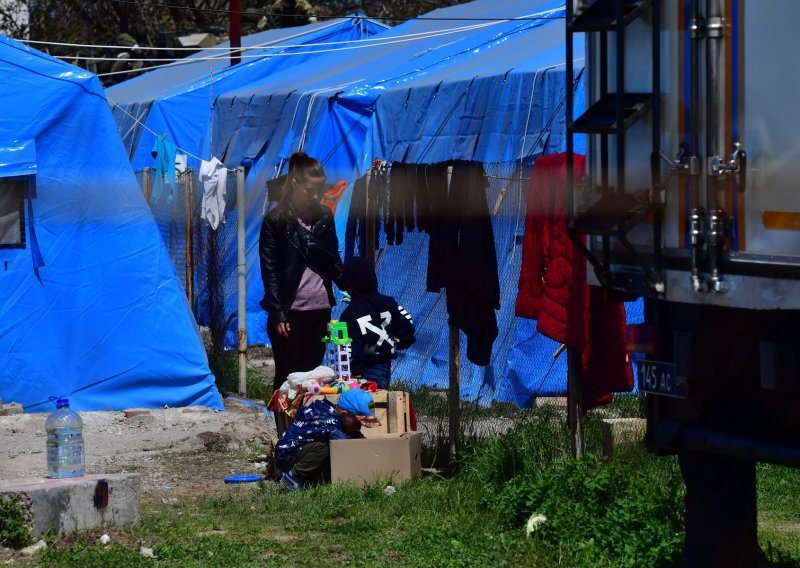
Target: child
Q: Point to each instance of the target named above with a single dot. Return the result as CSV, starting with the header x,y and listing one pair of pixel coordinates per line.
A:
x,y
376,324
303,453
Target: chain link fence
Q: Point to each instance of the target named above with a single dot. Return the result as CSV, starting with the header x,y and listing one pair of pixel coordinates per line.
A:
x,y
526,379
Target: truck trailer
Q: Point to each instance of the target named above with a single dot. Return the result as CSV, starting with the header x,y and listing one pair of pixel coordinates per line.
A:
x,y
691,200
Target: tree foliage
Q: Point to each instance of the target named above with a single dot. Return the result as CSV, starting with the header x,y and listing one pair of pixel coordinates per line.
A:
x,y
157,23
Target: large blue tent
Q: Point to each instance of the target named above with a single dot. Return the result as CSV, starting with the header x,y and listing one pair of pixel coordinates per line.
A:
x,y
91,306
450,85
176,99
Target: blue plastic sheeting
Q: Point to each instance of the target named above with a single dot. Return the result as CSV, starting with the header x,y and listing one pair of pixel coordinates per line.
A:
x,y
176,99
99,317
473,90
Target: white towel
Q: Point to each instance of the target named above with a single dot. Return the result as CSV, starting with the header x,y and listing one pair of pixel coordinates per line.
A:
x,y
214,177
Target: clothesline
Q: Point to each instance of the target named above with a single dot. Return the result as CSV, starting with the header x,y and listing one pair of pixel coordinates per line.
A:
x,y
150,130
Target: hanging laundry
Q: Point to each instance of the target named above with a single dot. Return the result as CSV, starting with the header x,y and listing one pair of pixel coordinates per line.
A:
x,y
400,215
333,194
553,288
164,152
356,229
214,177
180,163
462,256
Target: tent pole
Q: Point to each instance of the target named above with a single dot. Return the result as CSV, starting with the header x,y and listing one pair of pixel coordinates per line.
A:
x,y
189,188
241,273
575,402
454,389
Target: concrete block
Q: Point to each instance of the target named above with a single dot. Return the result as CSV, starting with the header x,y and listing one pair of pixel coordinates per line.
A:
x,y
11,408
555,402
619,431
79,503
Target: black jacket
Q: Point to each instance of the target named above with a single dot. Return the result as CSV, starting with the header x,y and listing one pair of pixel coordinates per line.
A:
x,y
285,249
376,323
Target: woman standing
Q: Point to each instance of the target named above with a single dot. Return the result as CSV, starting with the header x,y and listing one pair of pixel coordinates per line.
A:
x,y
299,260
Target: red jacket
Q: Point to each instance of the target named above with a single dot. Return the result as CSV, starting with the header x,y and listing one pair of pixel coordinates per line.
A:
x,y
553,288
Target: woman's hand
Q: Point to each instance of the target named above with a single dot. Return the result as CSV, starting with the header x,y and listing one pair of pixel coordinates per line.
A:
x,y
283,328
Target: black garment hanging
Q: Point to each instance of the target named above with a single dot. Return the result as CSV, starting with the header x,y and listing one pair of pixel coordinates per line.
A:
x,y
462,256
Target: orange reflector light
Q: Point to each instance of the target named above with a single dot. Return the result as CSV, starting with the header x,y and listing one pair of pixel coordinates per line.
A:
x,y
782,220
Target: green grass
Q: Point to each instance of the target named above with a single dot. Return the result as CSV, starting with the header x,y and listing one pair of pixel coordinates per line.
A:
x,y
623,511
779,513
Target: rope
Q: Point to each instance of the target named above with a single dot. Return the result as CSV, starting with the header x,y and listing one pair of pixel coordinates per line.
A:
x,y
150,130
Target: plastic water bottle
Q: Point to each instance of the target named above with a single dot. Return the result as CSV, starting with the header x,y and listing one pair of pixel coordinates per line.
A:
x,y
64,442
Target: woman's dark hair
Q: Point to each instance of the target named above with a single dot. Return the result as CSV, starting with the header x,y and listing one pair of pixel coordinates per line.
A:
x,y
301,167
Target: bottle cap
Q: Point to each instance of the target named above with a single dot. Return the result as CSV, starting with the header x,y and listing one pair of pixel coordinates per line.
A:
x,y
62,402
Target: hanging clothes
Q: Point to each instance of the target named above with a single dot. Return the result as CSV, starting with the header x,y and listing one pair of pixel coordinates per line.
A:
x,y
553,287
164,152
400,217
214,177
333,195
356,228
462,256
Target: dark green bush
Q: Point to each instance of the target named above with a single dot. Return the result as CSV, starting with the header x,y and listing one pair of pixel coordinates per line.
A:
x,y
14,528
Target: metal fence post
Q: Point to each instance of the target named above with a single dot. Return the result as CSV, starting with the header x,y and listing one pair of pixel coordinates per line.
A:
x,y
189,219
242,280
146,185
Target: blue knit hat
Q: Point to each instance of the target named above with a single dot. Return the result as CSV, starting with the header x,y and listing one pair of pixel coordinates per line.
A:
x,y
359,403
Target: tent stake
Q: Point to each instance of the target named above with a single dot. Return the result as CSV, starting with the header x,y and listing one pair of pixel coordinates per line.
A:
x,y
241,274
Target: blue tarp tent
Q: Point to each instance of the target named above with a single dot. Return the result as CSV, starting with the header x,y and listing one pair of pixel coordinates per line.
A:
x,y
91,306
449,87
176,99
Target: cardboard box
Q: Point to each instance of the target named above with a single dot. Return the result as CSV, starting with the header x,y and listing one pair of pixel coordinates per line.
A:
x,y
385,457
391,409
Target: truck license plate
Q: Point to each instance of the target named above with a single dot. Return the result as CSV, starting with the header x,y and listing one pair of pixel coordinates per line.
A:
x,y
657,377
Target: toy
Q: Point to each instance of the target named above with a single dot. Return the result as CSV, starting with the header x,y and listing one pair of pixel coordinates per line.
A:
x,y
311,386
339,349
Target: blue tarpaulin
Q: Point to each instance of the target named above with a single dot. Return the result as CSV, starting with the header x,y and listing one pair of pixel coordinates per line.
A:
x,y
90,305
176,99
449,86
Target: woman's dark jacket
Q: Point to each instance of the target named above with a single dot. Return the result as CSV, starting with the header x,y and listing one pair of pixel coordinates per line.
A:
x,y
285,249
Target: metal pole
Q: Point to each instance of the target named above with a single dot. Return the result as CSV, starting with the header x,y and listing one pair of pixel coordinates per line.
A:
x,y
241,274
454,388
147,188
189,188
575,403
235,16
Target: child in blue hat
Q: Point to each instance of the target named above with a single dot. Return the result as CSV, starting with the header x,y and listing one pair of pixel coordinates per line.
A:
x,y
303,452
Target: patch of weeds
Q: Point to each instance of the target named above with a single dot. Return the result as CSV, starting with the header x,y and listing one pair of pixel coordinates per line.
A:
x,y
627,511
225,367
15,531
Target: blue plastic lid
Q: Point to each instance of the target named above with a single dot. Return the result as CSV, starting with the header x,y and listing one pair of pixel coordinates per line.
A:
x,y
62,403
244,478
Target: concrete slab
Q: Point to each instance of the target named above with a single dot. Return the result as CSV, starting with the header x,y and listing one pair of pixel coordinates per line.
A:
x,y
79,503
619,431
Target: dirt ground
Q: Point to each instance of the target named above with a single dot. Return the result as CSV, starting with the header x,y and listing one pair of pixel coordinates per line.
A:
x,y
174,449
